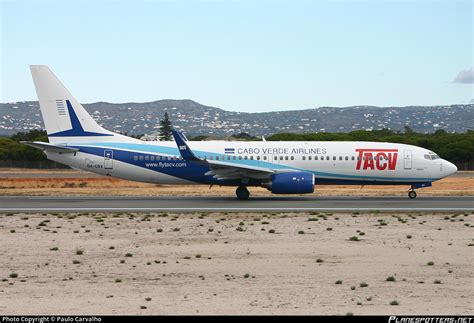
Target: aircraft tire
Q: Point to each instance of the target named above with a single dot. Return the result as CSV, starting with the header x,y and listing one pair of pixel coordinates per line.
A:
x,y
242,193
412,194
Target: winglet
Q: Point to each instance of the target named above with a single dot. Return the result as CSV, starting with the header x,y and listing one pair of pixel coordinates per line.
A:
x,y
183,147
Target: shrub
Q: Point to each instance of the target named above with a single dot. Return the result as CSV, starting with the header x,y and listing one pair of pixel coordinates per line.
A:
x,y
393,303
390,279
354,238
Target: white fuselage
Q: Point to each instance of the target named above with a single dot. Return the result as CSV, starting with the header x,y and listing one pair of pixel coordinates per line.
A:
x,y
330,162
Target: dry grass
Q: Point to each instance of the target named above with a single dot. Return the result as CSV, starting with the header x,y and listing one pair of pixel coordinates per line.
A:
x,y
69,182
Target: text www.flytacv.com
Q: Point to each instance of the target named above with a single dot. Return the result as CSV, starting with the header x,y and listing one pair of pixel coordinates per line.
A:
x,y
164,164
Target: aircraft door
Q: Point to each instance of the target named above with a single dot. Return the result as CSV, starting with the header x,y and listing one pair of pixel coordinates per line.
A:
x,y
108,159
407,160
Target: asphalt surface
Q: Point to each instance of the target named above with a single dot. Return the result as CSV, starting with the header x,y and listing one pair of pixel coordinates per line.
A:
x,y
231,204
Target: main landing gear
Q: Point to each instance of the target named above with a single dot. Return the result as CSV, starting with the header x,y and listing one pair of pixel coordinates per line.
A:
x,y
411,193
242,193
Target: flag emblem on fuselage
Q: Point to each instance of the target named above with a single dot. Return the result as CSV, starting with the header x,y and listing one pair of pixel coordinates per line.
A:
x,y
229,150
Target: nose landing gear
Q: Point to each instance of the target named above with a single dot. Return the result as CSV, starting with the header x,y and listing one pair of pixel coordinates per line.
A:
x,y
412,193
242,193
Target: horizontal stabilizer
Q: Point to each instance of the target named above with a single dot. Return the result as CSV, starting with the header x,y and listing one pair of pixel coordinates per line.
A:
x,y
50,147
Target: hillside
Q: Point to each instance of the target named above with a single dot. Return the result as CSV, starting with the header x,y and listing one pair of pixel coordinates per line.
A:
x,y
197,119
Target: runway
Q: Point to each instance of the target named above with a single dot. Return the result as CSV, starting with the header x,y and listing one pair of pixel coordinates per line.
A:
x,y
231,204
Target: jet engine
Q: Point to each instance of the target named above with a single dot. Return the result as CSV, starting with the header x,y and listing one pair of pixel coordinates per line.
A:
x,y
290,183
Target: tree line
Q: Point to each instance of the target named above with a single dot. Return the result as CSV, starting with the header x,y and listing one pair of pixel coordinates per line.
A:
x,y
455,147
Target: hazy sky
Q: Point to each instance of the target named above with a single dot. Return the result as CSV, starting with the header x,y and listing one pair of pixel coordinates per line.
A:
x,y
244,56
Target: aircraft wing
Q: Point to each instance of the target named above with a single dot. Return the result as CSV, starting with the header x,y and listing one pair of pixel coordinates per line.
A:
x,y
47,146
221,169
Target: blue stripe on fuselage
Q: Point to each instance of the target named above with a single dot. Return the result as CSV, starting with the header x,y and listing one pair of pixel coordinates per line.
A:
x,y
187,170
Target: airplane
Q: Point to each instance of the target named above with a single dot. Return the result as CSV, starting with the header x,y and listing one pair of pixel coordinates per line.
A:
x,y
295,167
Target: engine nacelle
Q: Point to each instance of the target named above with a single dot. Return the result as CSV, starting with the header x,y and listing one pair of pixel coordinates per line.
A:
x,y
291,183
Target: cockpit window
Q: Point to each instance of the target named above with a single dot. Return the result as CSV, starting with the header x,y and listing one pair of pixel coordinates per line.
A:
x,y
431,156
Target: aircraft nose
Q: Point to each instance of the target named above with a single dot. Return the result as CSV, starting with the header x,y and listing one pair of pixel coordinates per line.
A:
x,y
450,168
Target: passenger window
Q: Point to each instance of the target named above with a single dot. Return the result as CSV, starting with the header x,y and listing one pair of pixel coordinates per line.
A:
x,y
340,157
275,157
141,157
217,157
264,157
304,158
251,157
235,158
152,157
334,158
147,157
347,158
258,157
327,157
135,157
240,157
246,157
315,157
352,158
